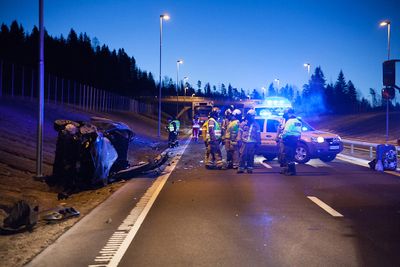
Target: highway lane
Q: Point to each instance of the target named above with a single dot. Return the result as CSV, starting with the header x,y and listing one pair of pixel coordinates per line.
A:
x,y
220,218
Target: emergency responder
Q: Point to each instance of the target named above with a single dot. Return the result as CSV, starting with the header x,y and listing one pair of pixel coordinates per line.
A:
x,y
249,139
225,121
230,140
212,139
195,128
290,136
173,130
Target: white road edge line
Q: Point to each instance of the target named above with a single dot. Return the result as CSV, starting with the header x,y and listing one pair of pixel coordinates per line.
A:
x,y
324,206
159,184
361,162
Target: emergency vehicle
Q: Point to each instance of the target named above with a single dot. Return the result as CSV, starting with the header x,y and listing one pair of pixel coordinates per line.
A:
x,y
202,109
313,143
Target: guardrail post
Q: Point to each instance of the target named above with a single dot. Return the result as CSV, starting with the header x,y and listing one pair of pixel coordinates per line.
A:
x,y
370,152
352,149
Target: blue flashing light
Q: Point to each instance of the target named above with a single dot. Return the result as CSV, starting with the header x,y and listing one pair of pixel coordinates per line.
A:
x,y
265,113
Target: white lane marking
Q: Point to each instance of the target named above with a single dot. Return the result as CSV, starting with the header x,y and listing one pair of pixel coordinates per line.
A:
x,y
325,207
317,163
266,165
131,224
363,163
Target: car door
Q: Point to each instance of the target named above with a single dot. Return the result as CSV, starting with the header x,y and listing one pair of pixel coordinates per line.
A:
x,y
271,132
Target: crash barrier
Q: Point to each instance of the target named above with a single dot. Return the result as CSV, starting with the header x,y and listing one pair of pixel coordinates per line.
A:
x,y
21,81
365,147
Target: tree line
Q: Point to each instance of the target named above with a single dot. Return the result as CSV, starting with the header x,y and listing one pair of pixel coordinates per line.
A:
x,y
79,58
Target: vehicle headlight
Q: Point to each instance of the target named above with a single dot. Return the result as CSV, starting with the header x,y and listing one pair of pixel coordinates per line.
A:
x,y
318,139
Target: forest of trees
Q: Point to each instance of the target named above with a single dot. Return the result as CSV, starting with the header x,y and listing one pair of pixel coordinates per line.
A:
x,y
81,59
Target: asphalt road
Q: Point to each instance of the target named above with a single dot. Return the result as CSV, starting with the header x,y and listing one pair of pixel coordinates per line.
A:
x,y
220,218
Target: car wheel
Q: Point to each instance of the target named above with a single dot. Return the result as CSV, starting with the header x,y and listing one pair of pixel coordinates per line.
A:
x,y
302,155
328,158
269,157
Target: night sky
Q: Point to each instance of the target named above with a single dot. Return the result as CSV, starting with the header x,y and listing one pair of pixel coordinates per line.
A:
x,y
245,43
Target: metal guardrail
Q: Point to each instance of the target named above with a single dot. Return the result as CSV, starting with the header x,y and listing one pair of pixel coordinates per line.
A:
x,y
364,146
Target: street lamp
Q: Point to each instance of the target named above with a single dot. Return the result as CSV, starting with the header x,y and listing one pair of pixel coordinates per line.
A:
x,y
277,82
308,66
178,62
185,84
263,90
162,18
382,24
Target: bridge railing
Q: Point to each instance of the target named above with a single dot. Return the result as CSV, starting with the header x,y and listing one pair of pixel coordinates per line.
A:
x,y
364,147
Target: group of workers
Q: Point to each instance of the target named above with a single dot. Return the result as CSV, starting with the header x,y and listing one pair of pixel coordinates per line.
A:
x,y
241,137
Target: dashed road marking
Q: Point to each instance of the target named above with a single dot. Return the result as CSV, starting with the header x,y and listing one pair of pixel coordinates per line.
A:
x,y
324,206
266,165
111,254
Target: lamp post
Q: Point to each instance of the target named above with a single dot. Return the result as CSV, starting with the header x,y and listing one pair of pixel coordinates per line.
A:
x,y
178,62
185,84
308,66
162,18
263,90
277,82
382,24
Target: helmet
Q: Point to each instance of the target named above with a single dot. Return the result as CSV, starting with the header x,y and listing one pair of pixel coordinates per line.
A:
x,y
215,112
251,112
228,112
237,114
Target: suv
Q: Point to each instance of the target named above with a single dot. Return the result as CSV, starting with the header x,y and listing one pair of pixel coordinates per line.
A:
x,y
313,143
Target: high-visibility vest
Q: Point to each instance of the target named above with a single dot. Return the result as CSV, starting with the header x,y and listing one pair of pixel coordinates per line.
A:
x,y
172,126
292,128
196,124
178,125
232,130
217,129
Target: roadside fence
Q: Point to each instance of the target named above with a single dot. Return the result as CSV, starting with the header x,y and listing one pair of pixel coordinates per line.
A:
x,y
364,147
21,81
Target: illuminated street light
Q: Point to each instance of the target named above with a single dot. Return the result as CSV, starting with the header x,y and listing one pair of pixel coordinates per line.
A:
x,y
162,18
185,84
178,62
382,24
263,90
308,66
277,82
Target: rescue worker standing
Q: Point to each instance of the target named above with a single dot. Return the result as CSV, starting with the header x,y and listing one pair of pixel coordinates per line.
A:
x,y
212,139
196,128
173,130
290,136
249,138
230,140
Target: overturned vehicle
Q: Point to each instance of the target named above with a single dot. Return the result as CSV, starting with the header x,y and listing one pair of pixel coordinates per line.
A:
x,y
91,154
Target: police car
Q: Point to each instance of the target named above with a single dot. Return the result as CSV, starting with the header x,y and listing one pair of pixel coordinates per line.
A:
x,y
313,143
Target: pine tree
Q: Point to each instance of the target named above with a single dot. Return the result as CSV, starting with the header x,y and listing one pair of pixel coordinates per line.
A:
x,y
340,93
230,91
271,90
351,96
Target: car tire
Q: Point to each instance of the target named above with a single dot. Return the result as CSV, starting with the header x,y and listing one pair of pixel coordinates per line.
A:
x,y
328,158
302,155
269,157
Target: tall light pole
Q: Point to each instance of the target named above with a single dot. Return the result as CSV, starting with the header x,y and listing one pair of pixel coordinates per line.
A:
x,y
39,145
263,90
382,24
308,66
162,18
178,62
185,84
277,82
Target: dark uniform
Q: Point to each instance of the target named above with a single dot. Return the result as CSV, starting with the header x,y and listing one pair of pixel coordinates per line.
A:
x,y
290,136
212,139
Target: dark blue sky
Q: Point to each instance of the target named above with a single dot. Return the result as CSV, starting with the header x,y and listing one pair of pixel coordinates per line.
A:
x,y
246,43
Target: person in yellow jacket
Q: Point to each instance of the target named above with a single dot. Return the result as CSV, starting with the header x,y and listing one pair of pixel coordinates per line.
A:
x,y
249,138
212,139
231,144
173,131
290,136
